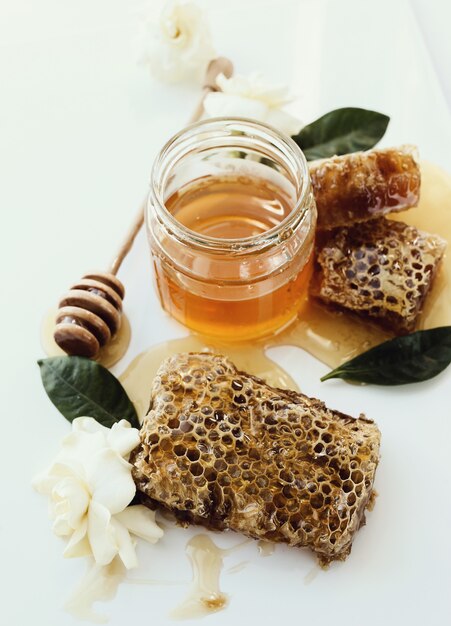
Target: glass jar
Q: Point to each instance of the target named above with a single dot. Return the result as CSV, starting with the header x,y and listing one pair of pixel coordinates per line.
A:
x,y
240,271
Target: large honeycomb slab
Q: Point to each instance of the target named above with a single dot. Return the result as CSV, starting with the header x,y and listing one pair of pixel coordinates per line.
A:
x,y
364,185
223,449
381,269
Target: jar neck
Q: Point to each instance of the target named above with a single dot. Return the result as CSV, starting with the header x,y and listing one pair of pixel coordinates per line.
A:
x,y
250,141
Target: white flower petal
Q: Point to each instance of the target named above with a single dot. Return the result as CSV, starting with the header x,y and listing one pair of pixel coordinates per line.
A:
x,y
79,446
89,482
61,527
123,438
252,97
177,46
45,482
126,546
89,425
78,545
284,122
253,86
74,495
110,480
221,105
59,512
140,521
101,534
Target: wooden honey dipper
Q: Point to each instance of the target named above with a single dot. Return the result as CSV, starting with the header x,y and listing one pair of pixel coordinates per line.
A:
x,y
89,314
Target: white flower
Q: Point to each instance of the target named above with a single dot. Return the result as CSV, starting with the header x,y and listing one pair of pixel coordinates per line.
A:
x,y
251,97
90,485
177,44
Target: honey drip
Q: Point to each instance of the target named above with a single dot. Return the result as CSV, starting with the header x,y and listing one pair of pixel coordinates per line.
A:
x,y
205,595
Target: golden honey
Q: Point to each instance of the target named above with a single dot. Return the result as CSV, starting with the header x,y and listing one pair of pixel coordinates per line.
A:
x,y
231,220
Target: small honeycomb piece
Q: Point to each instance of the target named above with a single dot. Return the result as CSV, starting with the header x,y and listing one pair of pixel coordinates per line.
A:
x,y
221,448
381,268
363,185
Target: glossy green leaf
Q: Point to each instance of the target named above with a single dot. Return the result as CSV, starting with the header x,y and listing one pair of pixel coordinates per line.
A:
x,y
400,361
341,131
81,387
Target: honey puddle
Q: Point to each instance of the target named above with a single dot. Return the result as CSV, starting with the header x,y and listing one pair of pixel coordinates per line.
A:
x,y
99,584
109,355
137,378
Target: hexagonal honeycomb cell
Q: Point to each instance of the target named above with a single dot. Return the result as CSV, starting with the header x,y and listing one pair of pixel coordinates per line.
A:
x,y
381,268
221,448
364,185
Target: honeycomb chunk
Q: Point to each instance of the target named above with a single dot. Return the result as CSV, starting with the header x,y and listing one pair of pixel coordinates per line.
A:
x,y
221,448
381,268
361,186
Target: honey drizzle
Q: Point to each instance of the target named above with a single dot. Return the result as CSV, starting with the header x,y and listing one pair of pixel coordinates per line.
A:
x,y
205,595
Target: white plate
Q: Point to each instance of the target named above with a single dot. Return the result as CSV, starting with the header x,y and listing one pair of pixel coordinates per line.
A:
x,y
83,125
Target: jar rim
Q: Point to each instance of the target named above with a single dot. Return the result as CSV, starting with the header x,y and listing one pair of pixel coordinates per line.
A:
x,y
286,146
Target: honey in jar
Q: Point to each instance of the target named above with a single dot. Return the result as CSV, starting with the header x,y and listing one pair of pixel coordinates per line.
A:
x,y
231,220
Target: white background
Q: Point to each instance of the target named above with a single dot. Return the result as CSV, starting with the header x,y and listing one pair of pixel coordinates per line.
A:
x,y
79,126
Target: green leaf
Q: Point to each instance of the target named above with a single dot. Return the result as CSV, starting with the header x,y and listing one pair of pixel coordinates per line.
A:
x,y
400,361
81,387
341,131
